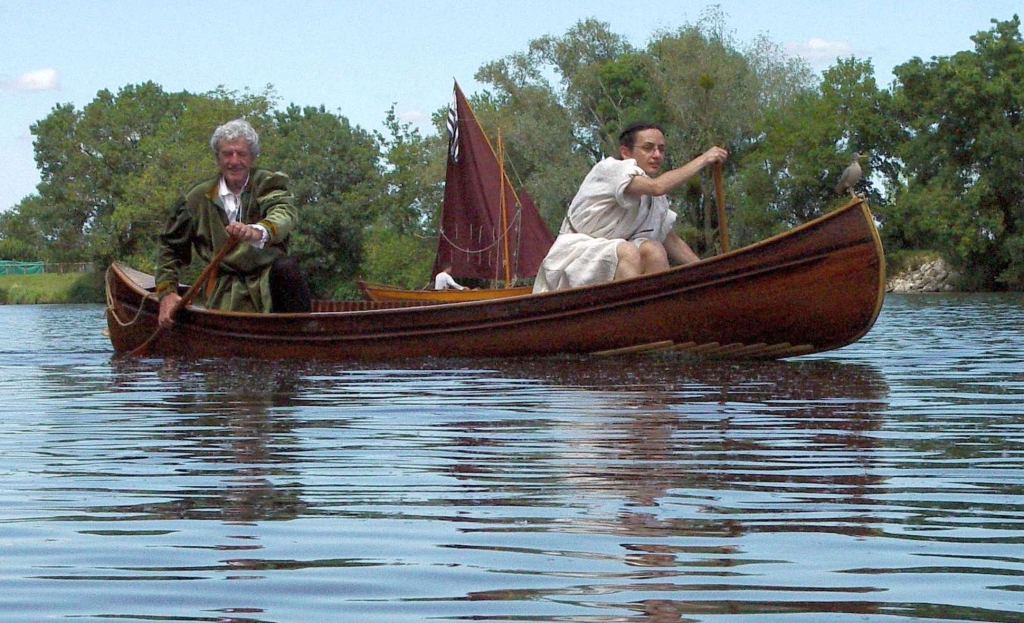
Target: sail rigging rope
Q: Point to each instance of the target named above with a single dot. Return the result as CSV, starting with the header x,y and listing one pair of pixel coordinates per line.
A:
x,y
515,222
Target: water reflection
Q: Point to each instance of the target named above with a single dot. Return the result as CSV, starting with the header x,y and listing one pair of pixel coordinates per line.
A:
x,y
228,425
882,483
648,428
675,430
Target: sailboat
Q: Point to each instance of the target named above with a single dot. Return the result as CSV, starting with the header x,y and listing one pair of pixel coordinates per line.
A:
x,y
488,229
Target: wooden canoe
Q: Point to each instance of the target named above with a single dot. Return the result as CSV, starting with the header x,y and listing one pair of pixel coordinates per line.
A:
x,y
382,292
814,288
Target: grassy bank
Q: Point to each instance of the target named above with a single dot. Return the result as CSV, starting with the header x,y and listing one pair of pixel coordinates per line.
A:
x,y
52,288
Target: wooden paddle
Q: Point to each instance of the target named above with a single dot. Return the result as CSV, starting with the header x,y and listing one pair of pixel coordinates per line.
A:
x,y
208,273
723,232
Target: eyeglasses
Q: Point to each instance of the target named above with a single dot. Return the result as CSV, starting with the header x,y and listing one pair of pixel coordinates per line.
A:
x,y
650,148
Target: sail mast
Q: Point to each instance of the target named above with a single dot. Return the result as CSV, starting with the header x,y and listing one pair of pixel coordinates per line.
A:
x,y
502,205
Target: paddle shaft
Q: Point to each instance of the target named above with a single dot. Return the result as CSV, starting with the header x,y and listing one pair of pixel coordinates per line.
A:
x,y
208,273
723,231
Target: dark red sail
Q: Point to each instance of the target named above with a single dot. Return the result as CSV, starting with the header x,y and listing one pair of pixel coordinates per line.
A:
x,y
488,229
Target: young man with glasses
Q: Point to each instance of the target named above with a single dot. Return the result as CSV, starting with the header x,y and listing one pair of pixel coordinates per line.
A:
x,y
619,224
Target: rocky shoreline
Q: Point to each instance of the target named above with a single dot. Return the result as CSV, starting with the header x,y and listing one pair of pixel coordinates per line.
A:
x,y
929,277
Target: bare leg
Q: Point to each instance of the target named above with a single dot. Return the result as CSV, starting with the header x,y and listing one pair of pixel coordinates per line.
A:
x,y
653,258
629,261
678,251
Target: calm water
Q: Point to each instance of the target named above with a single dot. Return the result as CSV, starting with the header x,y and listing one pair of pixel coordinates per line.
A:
x,y
882,482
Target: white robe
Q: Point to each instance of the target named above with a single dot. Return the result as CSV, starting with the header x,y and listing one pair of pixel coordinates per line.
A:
x,y
600,217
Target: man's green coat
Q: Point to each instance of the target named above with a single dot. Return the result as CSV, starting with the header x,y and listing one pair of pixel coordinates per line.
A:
x,y
196,225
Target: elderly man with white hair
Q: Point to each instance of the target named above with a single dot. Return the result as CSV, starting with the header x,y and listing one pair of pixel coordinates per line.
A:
x,y
253,205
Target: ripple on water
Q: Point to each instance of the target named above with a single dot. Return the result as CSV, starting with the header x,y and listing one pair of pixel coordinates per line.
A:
x,y
879,482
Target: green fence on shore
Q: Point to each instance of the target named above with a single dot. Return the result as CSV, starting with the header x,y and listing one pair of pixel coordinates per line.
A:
x,y
12,267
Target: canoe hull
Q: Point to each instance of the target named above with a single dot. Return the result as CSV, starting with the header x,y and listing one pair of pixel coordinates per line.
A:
x,y
815,288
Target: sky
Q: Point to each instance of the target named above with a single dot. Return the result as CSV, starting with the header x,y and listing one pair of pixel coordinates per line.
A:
x,y
357,58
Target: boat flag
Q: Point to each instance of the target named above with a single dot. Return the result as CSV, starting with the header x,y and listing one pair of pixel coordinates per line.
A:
x,y
453,129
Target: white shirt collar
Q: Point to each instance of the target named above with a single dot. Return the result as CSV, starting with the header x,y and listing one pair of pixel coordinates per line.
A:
x,y
230,200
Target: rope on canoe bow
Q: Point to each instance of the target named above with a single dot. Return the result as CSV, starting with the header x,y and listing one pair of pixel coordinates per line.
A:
x,y
113,310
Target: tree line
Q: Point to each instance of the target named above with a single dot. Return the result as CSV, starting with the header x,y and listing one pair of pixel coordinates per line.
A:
x,y
944,172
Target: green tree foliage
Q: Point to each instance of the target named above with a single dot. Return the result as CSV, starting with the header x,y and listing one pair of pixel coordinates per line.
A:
x,y
21,232
713,96
111,171
698,82
336,180
554,132
415,168
945,143
402,238
964,158
86,160
602,81
790,170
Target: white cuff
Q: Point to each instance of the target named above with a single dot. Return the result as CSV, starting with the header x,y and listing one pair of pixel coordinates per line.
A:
x,y
262,241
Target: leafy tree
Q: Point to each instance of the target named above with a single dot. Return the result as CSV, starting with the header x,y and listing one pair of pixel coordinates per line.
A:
x,y
401,240
21,235
111,171
602,80
87,159
415,169
699,83
336,180
67,190
553,133
964,195
945,169
108,170
790,171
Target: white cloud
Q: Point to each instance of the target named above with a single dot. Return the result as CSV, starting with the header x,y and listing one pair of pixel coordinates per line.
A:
x,y
819,52
412,116
38,80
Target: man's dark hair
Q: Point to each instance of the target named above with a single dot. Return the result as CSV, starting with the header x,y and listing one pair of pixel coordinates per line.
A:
x,y
627,138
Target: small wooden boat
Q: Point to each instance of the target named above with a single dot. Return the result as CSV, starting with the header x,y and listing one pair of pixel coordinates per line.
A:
x,y
814,288
489,230
382,292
